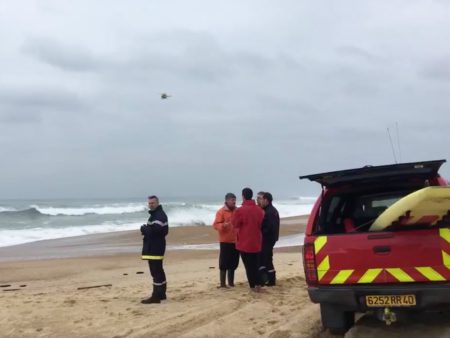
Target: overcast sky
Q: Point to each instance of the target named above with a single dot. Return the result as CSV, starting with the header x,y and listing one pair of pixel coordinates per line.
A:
x,y
263,91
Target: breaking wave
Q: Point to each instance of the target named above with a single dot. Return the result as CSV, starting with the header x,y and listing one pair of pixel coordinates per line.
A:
x,y
30,221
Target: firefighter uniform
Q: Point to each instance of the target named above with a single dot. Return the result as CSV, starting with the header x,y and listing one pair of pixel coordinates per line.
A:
x,y
270,232
154,247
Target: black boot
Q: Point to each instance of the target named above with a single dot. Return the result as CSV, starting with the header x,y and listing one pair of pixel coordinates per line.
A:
x,y
154,299
222,278
271,279
163,292
263,277
231,278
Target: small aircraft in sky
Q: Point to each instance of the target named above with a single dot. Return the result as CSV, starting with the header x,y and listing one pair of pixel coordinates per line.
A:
x,y
165,96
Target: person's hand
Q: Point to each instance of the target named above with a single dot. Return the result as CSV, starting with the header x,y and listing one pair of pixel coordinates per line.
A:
x,y
226,224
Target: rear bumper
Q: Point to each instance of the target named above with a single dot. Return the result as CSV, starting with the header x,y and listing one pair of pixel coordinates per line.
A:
x,y
352,298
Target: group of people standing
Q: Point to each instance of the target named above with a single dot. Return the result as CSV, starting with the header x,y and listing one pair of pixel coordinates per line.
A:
x,y
250,232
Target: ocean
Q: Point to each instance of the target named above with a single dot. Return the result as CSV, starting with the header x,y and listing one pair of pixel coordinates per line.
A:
x,y
24,221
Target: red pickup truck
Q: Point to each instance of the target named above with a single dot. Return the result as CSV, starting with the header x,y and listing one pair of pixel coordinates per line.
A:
x,y
350,268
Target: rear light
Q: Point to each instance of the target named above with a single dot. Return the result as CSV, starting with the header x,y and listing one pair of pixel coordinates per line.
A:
x,y
309,264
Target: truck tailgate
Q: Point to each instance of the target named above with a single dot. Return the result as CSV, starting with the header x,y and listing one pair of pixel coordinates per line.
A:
x,y
408,256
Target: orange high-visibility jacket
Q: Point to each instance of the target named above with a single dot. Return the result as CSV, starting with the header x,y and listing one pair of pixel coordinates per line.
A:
x,y
226,233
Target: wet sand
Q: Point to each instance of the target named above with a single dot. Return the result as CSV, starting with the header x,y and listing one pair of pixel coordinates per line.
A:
x,y
123,242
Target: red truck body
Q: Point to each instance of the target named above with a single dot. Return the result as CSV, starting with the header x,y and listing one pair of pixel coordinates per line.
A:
x,y
361,270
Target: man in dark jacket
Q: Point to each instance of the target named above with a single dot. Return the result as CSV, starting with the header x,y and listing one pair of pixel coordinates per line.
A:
x,y
259,198
270,232
247,221
154,247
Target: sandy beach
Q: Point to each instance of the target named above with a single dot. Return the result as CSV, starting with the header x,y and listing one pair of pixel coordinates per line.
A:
x,y
41,297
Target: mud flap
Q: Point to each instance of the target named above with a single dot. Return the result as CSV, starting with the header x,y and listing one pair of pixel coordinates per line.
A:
x,y
335,319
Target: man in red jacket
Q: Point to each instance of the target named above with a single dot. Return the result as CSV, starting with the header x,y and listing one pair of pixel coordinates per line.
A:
x,y
247,221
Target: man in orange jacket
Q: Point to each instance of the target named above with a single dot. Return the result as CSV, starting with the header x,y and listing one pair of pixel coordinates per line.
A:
x,y
229,256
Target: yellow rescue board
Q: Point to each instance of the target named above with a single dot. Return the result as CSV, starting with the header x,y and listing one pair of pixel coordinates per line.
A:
x,y
427,205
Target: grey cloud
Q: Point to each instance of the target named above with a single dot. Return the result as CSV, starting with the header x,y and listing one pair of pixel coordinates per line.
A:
x,y
24,116
438,69
258,97
191,55
182,54
29,105
63,56
357,53
40,97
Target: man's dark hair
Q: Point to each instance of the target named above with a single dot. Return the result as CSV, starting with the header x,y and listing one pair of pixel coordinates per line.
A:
x,y
268,196
153,197
247,193
230,195
261,193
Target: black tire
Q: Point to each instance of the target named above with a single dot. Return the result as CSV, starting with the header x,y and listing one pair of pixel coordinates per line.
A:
x,y
335,319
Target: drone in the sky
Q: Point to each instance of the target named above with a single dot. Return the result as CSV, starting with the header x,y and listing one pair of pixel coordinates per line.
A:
x,y
165,96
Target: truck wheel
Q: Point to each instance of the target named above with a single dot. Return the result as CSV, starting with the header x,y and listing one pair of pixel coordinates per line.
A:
x,y
335,319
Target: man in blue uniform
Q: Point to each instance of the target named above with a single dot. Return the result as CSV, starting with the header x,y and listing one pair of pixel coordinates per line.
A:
x,y
154,247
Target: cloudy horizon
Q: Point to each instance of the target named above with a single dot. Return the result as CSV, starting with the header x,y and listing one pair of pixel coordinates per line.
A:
x,y
261,93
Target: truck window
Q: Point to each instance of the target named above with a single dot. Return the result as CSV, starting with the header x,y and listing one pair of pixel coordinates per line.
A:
x,y
354,212
329,216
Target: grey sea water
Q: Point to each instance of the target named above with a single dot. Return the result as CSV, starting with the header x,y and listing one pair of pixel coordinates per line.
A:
x,y
23,221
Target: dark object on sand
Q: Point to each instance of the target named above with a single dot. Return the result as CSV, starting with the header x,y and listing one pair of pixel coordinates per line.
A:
x,y
212,267
11,289
94,286
23,285
5,285
139,272
125,274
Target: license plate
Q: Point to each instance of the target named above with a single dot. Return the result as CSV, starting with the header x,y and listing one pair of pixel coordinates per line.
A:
x,y
390,300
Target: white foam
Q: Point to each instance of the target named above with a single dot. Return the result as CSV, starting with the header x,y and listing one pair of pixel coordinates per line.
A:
x,y
289,209
203,214
14,237
99,210
2,209
179,214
